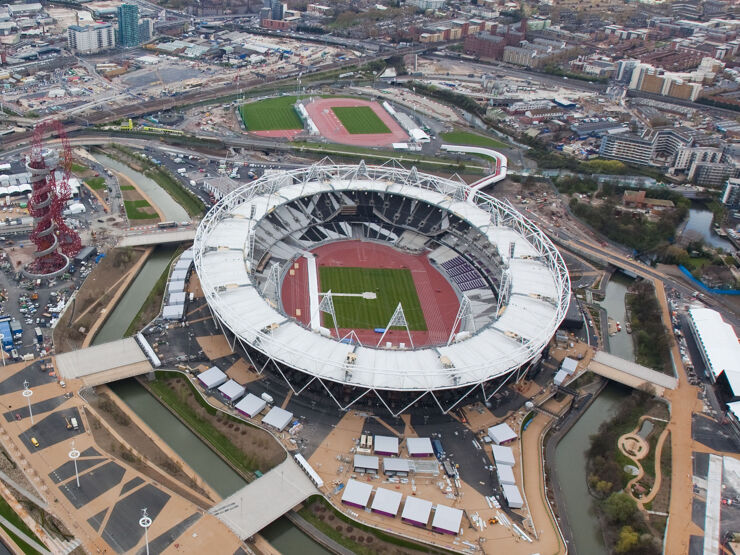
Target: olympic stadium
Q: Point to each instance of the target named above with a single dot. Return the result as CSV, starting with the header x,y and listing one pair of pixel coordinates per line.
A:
x,y
380,285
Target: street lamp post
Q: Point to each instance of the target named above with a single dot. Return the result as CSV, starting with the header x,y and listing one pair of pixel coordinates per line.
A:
x,y
27,394
74,454
145,522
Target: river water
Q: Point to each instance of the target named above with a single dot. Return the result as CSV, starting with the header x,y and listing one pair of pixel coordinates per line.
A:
x,y
171,210
700,221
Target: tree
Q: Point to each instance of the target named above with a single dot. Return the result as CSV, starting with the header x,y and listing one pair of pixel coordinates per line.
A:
x,y
620,507
628,539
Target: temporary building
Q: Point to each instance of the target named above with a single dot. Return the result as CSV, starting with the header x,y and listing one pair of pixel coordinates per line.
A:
x,y
386,502
173,312
213,377
177,298
386,445
416,511
569,365
396,467
419,447
366,464
560,377
277,418
512,495
501,433
251,405
503,455
308,469
357,494
176,285
179,275
447,520
232,390
505,474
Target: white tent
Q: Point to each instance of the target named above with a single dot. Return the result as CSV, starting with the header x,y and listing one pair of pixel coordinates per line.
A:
x,y
447,519
501,433
366,463
173,312
419,446
357,493
251,405
386,502
569,365
503,455
560,377
416,511
505,474
213,377
386,445
232,390
512,495
277,418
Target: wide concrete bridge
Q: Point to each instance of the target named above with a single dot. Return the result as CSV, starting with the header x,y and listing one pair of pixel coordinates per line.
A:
x,y
630,373
157,237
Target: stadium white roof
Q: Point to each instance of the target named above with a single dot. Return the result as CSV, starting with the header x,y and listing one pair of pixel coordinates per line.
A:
x,y
357,493
386,444
213,377
416,509
717,339
512,495
387,501
392,464
505,474
251,405
277,418
539,297
501,433
419,446
231,389
447,518
503,455
366,461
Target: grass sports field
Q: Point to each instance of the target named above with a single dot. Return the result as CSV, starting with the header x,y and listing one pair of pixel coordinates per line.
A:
x,y
271,114
466,138
360,120
390,286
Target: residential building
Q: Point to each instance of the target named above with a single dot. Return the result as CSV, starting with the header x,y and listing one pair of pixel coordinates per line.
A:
x,y
648,78
88,39
706,165
146,30
731,194
128,25
627,147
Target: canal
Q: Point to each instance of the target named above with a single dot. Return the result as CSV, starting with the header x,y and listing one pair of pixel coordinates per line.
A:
x,y
571,471
700,221
171,210
620,344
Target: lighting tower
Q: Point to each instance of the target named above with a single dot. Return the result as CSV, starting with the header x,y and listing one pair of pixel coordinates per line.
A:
x,y
55,242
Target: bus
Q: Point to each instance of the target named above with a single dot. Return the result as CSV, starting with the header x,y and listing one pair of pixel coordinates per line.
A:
x,y
166,225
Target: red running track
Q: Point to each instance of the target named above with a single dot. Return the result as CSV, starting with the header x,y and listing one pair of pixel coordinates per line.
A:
x,y
331,128
438,300
279,133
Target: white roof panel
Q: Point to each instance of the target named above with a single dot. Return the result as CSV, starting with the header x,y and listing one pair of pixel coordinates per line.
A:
x,y
357,493
386,444
447,518
251,405
387,501
277,418
231,389
501,433
213,377
569,365
392,464
503,455
505,474
366,461
416,509
419,446
512,495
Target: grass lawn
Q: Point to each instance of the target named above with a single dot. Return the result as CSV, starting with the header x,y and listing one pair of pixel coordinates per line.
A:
x,y
360,120
7,511
466,138
134,212
97,183
270,114
391,287
78,168
128,188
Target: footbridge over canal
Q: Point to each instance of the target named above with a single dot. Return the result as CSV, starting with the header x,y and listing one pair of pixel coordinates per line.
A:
x,y
263,501
630,373
108,362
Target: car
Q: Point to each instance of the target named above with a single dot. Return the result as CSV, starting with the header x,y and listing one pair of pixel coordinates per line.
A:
x,y
35,442
17,416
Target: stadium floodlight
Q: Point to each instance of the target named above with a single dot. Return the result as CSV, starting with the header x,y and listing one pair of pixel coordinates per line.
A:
x,y
464,318
398,319
351,337
271,287
327,305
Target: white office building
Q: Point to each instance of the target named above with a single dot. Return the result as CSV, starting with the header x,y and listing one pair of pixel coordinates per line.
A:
x,y
88,39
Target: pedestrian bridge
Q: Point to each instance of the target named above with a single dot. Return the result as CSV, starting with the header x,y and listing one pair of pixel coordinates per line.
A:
x,y
630,373
263,501
156,237
107,362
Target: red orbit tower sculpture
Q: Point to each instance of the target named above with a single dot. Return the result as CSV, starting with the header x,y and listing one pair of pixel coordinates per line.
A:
x,y
49,168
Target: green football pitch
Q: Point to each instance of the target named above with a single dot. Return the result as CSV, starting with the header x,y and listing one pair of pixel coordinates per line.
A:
x,y
390,286
271,114
360,120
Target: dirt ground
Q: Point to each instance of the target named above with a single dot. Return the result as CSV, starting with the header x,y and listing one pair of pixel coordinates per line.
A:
x,y
214,346
256,443
95,293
